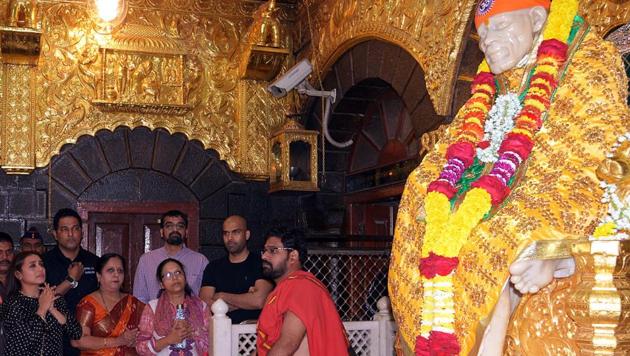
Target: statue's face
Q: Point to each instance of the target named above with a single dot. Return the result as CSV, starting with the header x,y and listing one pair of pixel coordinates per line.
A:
x,y
506,39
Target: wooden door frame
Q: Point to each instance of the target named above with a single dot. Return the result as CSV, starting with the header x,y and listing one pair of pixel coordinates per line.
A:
x,y
117,207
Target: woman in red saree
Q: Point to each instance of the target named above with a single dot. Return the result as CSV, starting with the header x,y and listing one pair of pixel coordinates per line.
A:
x,y
109,317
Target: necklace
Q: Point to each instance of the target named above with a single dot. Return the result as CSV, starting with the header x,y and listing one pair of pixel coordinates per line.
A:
x,y
105,302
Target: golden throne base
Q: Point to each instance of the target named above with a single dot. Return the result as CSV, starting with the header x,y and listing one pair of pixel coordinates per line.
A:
x,y
585,314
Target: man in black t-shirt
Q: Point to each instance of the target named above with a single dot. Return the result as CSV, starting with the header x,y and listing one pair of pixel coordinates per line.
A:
x,y
68,266
236,278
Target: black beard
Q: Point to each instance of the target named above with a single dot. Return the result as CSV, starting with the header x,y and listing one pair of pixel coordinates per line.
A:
x,y
271,273
175,239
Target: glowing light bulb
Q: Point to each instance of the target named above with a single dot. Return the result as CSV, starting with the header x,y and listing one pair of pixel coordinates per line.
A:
x,y
107,9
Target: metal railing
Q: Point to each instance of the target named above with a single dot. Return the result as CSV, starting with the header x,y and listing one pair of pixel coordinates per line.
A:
x,y
356,279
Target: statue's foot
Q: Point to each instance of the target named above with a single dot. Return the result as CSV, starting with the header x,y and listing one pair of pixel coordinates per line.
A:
x,y
530,276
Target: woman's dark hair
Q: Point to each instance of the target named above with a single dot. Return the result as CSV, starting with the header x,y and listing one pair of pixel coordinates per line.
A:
x,y
13,284
290,239
158,275
102,261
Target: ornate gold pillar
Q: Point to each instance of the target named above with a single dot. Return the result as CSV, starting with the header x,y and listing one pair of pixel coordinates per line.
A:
x,y
20,49
601,304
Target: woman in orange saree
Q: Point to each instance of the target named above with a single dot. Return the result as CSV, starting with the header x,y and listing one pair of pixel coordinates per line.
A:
x,y
109,318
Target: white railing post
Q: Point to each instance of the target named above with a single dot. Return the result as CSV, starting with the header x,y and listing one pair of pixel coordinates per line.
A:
x,y
386,326
221,333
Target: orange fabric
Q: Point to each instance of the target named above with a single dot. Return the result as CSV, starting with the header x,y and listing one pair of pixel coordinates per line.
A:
x,y
121,326
306,297
488,8
125,315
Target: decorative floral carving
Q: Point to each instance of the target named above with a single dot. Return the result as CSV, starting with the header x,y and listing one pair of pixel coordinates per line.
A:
x,y
431,30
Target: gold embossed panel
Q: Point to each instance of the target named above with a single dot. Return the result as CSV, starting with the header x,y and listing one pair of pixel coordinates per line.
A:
x,y
430,30
207,37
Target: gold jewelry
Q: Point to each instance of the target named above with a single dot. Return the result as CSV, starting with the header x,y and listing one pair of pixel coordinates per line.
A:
x,y
104,342
105,302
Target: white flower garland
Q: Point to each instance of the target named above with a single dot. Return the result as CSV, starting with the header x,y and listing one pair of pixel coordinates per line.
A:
x,y
500,121
618,210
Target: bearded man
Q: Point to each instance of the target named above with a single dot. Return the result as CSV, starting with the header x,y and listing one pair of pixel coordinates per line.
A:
x,y
299,317
515,169
173,229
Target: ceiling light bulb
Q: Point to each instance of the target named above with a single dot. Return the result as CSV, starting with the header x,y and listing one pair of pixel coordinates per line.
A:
x,y
107,9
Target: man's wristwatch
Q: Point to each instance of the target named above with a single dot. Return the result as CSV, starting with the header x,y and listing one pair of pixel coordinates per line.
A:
x,y
73,282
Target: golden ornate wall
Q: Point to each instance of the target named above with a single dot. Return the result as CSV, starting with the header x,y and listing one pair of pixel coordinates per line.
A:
x,y
174,65
605,15
430,30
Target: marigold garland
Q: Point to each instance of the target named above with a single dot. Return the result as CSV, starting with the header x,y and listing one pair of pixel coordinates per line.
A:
x,y
447,232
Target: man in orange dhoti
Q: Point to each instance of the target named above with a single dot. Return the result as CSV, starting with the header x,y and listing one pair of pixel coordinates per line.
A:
x,y
299,316
516,167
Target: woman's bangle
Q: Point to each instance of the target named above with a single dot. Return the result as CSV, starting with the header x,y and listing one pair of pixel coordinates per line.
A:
x,y
104,342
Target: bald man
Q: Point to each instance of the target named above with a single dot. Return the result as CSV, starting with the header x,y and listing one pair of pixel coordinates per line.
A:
x,y
236,278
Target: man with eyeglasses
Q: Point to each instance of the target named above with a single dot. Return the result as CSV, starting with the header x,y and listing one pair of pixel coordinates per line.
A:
x,y
173,229
236,278
299,316
69,267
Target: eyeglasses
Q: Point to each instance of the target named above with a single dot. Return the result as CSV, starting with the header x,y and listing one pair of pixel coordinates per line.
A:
x,y
274,250
179,226
172,275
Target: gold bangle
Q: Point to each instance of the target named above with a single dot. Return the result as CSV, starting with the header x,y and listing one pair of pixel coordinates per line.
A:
x,y
104,342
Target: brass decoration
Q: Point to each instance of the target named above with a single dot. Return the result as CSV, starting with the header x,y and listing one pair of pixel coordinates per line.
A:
x,y
616,169
264,53
20,39
585,314
142,70
430,30
601,304
22,13
72,97
605,15
18,121
191,48
428,140
541,325
293,159
20,49
20,45
255,127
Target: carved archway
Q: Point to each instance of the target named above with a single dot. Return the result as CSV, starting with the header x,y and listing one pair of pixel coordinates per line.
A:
x,y
368,77
140,165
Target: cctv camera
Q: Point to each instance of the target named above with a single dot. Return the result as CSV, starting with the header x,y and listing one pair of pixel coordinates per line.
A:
x,y
291,79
